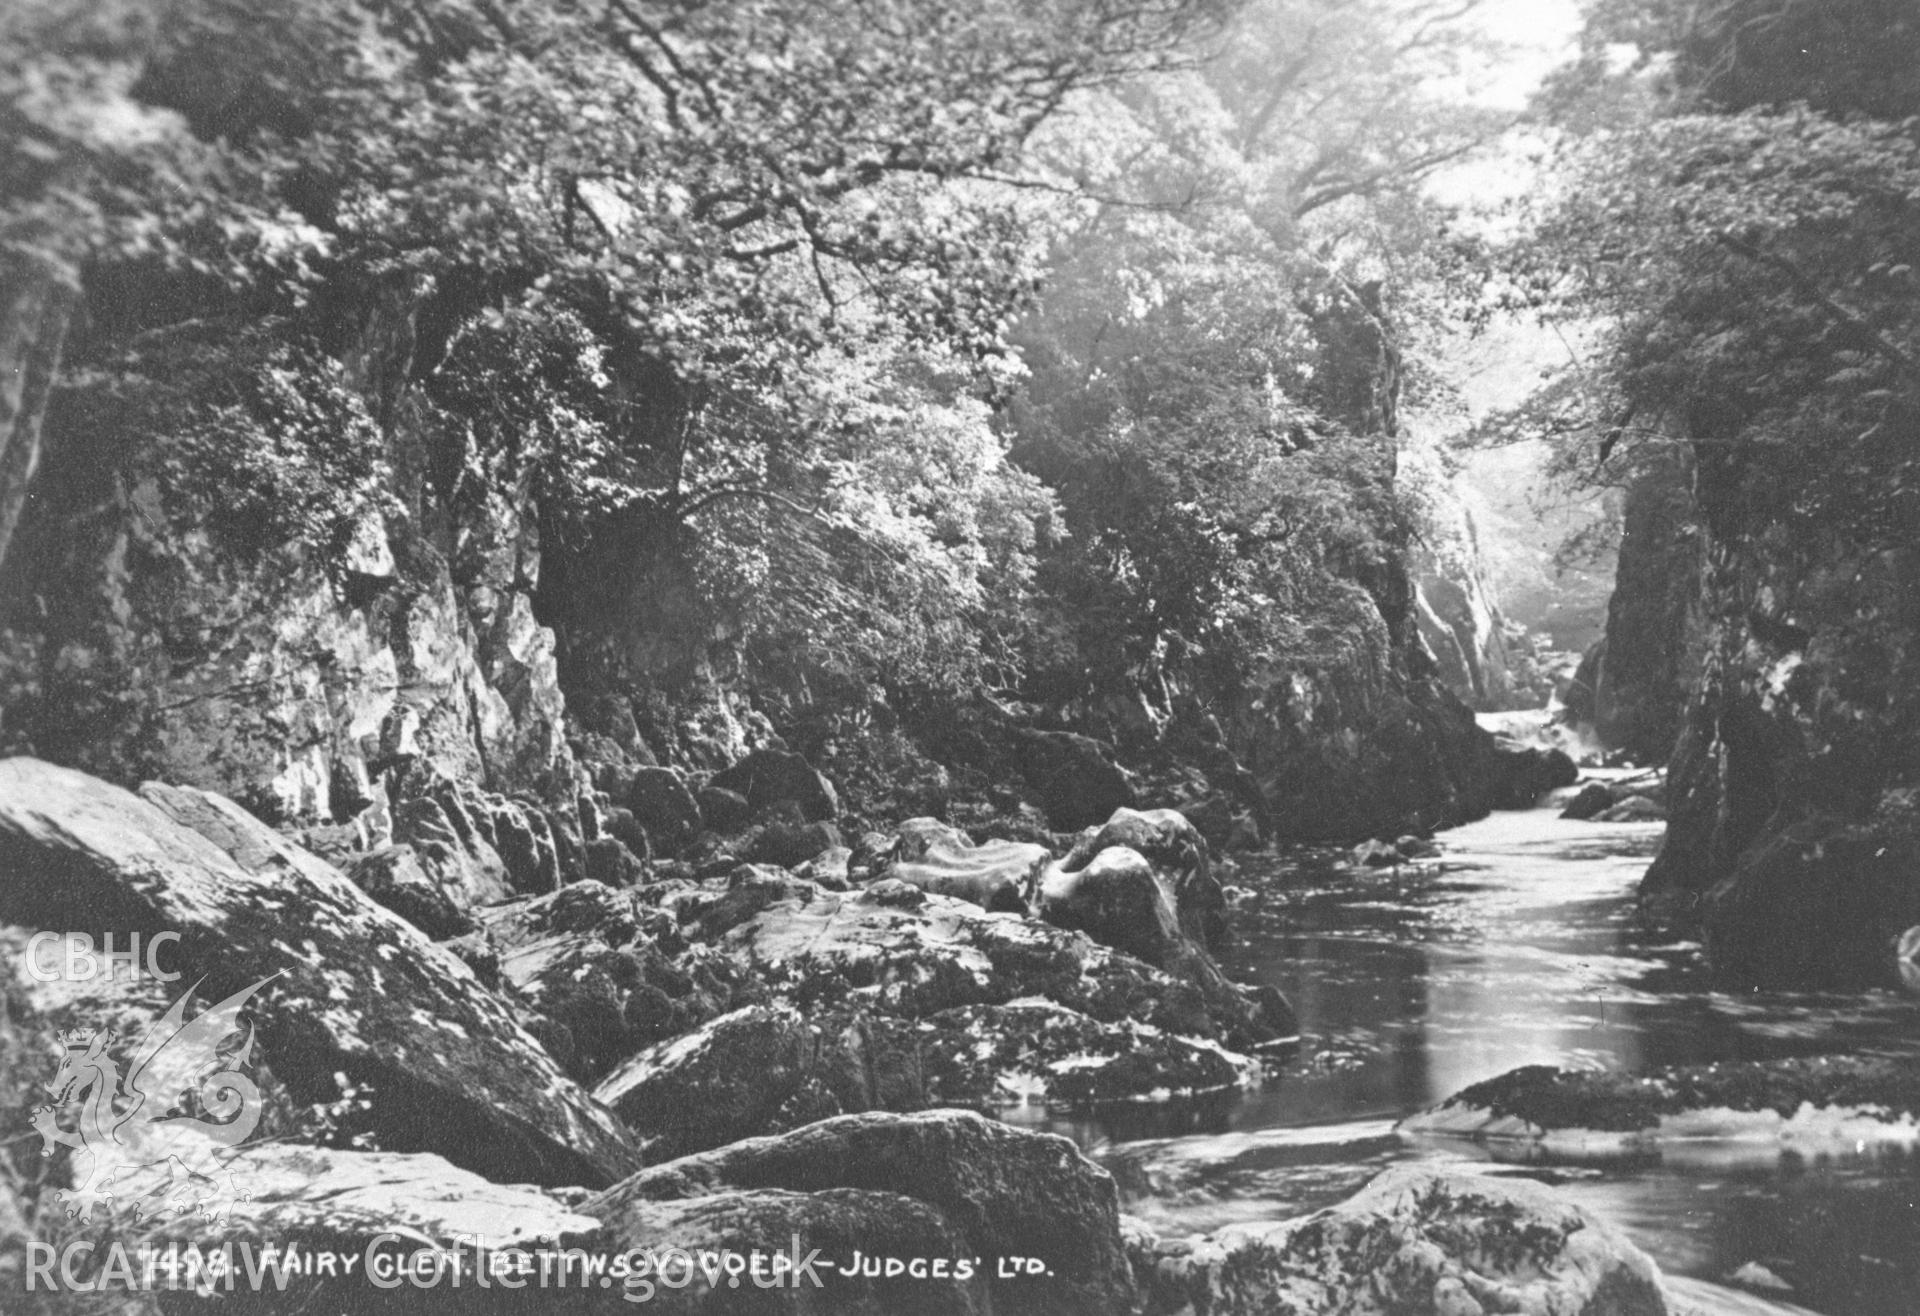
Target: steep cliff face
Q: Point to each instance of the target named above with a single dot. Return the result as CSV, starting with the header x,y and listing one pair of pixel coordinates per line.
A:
x,y
1459,619
1370,741
1499,609
1362,738
334,631
1462,628
147,635
1369,736
1794,838
1633,685
1793,835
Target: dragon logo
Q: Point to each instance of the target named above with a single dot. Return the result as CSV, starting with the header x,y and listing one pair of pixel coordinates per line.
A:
x,y
163,1131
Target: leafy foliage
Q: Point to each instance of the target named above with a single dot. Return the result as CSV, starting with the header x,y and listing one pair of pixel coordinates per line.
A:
x,y
1214,367
1839,57
740,271
752,288
264,436
1757,267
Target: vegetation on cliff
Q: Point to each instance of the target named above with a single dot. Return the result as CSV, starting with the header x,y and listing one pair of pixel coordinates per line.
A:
x,y
1741,209
1047,350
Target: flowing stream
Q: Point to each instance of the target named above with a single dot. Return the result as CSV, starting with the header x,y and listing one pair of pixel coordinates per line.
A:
x,y
1521,945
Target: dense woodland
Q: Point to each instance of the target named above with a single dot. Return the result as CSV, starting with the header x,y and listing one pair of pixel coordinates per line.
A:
x,y
1010,349
704,585
873,361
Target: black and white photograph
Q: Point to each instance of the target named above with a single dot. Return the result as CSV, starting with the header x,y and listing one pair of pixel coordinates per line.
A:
x,y
960,657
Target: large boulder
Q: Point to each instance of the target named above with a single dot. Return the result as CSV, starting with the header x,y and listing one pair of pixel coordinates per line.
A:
x,y
1076,779
1634,808
356,993
316,1197
995,875
788,844
1118,899
724,810
664,805
1523,773
1821,900
769,777
1162,912
837,1252
761,1069
1593,800
1171,842
1414,1240
395,1215
998,1191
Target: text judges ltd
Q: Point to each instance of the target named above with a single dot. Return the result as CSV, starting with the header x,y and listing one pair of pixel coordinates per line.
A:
x,y
87,1267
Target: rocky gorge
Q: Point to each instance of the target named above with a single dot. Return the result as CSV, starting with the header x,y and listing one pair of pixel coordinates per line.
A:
x,y
884,659
822,1041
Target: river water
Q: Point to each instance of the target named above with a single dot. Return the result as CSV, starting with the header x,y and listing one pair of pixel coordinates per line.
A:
x,y
1521,944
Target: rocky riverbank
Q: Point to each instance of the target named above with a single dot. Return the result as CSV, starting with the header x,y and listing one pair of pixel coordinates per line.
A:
x,y
739,1058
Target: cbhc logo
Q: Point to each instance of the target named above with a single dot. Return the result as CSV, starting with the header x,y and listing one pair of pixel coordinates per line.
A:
x,y
80,962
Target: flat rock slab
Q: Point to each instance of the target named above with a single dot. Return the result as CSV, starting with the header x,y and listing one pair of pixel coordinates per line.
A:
x,y
323,1198
442,1063
995,875
1582,1114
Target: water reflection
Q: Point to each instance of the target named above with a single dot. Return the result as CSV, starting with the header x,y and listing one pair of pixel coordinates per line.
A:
x,y
1523,945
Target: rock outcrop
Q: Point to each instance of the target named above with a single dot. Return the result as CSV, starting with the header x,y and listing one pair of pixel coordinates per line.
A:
x,y
600,975
356,993
272,675
768,778
894,998
1524,773
1368,741
1633,685
1414,1240
1792,813
1075,777
1463,629
1593,1115
996,1191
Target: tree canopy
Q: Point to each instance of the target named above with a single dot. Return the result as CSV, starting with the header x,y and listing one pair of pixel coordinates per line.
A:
x,y
888,320
1748,230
